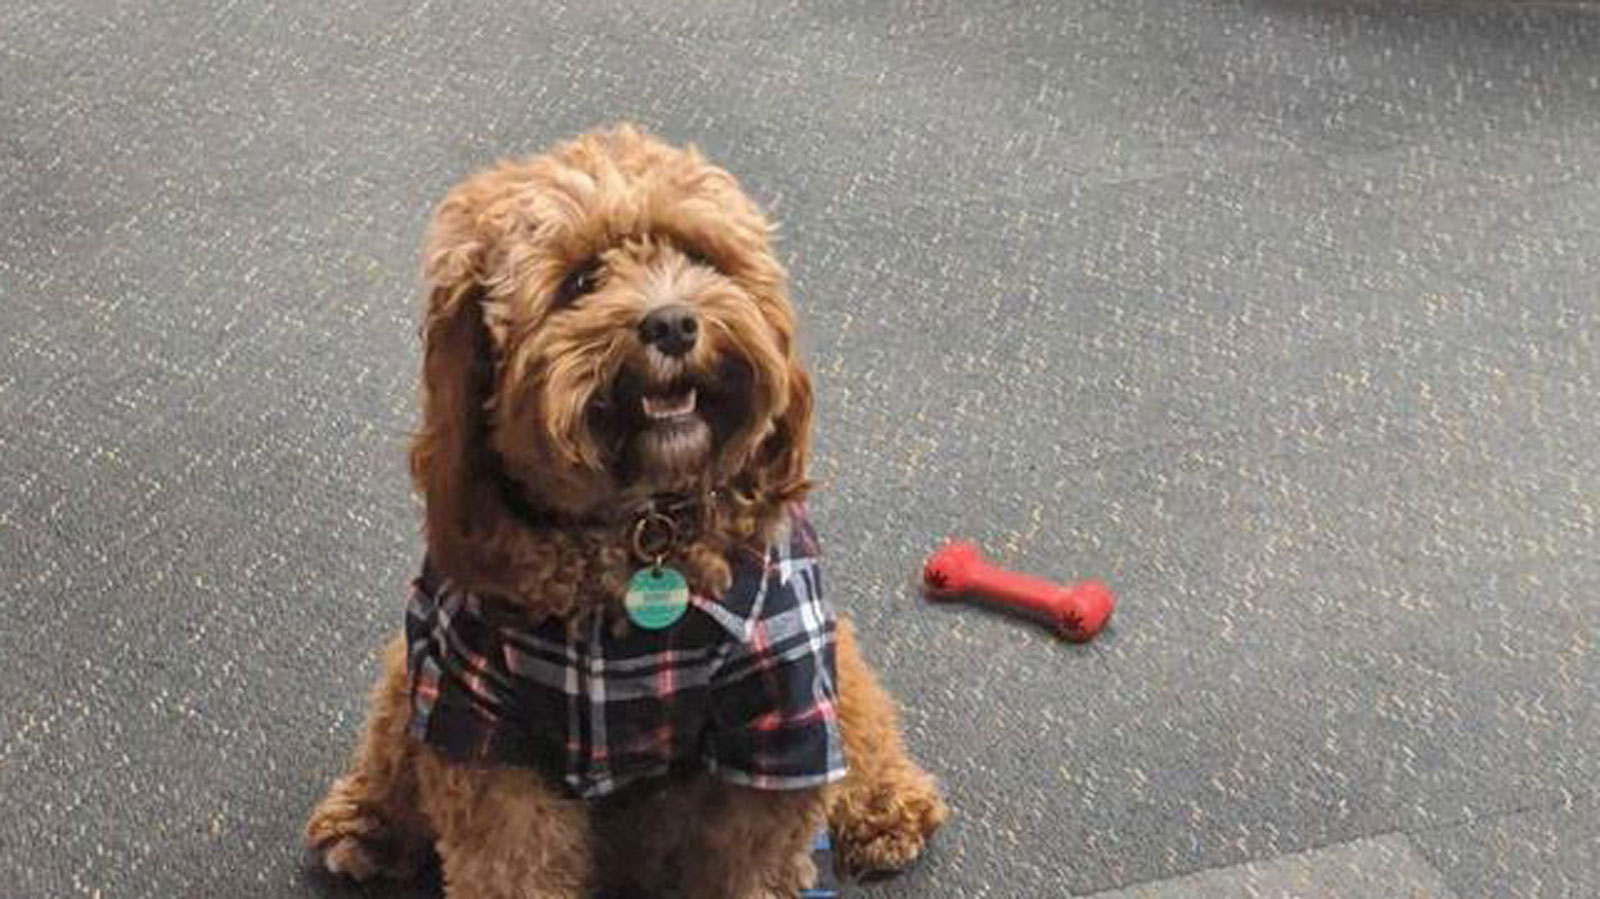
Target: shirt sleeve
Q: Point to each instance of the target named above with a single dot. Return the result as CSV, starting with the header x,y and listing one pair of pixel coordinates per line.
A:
x,y
774,702
462,696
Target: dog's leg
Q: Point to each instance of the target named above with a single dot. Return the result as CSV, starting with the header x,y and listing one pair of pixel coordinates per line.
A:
x,y
503,832
753,844
368,823
885,809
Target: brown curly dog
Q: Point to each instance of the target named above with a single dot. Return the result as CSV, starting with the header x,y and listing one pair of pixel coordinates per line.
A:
x,y
612,397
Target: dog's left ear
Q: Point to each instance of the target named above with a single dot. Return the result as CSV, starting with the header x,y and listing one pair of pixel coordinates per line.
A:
x,y
781,461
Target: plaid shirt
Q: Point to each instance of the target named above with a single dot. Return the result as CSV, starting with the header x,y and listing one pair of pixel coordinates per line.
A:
x,y
743,686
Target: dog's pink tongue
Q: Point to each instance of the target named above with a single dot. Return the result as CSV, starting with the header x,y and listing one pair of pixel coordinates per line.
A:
x,y
669,406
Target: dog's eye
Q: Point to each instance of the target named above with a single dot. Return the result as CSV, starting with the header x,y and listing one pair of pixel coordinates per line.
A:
x,y
580,281
694,255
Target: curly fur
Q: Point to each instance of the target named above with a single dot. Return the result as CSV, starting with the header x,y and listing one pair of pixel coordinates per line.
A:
x,y
518,387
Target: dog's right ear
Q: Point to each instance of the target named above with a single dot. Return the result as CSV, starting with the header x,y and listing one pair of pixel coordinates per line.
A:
x,y
452,465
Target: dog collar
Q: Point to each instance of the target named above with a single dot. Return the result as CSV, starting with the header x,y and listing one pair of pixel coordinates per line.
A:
x,y
665,523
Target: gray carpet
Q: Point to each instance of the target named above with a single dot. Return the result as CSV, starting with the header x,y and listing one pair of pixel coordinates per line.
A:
x,y
1279,315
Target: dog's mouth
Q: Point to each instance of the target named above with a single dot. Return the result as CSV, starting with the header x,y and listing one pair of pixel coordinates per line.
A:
x,y
669,430
662,407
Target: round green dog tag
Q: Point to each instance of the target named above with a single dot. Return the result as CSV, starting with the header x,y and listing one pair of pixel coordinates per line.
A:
x,y
656,598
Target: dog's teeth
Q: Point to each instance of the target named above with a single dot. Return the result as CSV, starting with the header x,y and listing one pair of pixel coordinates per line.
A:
x,y
670,406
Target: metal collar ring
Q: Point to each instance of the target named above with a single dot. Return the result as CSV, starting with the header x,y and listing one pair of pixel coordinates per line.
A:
x,y
654,536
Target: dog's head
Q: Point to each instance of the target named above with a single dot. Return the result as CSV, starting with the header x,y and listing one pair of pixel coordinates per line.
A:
x,y
605,322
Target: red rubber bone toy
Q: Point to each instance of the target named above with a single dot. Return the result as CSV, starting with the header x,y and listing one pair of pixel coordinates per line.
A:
x,y
1076,612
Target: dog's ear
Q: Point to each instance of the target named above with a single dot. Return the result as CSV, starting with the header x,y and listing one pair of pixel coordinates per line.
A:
x,y
452,465
781,461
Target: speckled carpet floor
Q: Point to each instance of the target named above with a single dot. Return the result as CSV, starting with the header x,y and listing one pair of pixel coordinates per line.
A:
x,y
1282,316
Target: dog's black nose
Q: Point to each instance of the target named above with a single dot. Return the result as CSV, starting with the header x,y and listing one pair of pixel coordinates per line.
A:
x,y
670,329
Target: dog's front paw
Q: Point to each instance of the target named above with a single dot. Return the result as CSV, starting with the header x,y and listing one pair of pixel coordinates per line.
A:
x,y
881,827
352,839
